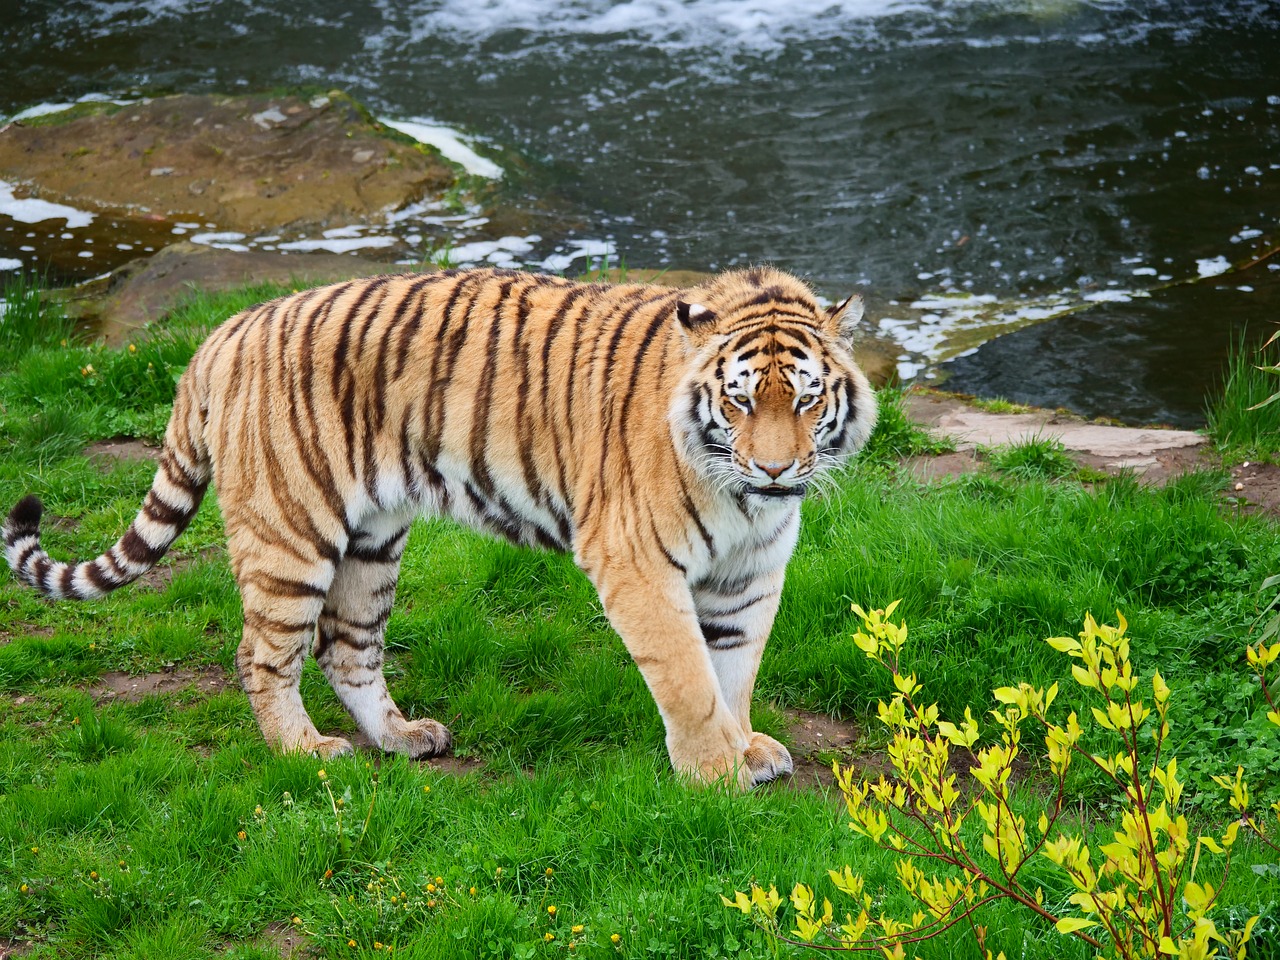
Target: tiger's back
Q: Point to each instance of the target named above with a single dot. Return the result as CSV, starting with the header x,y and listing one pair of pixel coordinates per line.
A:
x,y
664,436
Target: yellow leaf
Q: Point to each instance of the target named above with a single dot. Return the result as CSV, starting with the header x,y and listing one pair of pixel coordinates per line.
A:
x,y
1072,924
1064,644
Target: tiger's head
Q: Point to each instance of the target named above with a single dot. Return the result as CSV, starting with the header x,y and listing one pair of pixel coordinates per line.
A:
x,y
772,397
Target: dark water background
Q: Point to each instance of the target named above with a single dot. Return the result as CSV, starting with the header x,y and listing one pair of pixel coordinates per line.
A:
x,y
1016,150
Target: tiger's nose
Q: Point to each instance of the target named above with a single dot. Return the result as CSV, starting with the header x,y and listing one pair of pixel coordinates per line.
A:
x,y
774,468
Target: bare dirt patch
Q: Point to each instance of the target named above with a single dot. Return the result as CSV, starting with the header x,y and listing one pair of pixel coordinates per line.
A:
x,y
14,631
107,453
12,949
132,687
288,941
815,740
1255,487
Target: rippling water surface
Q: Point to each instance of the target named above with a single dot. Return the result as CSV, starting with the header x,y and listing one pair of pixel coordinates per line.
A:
x,y
971,166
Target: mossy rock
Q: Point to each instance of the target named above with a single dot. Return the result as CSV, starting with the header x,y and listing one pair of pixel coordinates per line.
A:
x,y
246,163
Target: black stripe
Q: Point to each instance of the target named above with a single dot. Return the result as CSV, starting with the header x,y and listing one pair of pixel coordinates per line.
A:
x,y
739,607
276,586
415,321
161,512
715,633
262,621
98,577
388,551
137,550
21,560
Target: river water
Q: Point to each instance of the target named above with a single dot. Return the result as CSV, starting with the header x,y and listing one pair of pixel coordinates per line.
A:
x,y
972,166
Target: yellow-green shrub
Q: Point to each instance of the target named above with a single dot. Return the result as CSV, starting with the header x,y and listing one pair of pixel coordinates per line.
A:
x,y
1135,897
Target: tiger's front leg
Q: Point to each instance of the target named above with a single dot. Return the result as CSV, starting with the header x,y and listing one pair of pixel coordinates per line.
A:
x,y
735,618
651,608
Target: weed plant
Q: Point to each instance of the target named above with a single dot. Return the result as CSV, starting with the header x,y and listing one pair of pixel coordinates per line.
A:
x,y
1241,421
162,826
1033,457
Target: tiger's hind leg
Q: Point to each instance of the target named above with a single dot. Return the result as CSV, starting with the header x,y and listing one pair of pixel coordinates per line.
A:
x,y
349,643
283,596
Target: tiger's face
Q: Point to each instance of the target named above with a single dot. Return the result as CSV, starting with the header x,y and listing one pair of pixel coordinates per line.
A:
x,y
774,397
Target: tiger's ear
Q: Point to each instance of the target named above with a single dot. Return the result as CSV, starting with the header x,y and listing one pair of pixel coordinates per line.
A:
x,y
696,322
694,316
843,318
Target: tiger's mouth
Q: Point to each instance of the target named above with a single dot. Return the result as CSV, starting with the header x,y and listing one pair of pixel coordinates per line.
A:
x,y
778,490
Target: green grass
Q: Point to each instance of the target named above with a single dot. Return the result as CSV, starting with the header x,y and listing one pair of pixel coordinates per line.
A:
x,y
1032,458
511,650
1240,429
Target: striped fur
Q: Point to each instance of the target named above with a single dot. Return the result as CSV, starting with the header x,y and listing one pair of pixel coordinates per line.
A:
x,y
663,436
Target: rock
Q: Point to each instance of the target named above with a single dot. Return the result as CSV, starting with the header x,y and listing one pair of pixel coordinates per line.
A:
x,y
248,163
1153,454
116,306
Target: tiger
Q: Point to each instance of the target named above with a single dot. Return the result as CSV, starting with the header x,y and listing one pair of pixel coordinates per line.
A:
x,y
666,437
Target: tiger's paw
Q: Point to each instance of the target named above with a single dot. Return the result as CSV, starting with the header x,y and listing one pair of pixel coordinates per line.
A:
x,y
418,738
766,759
324,747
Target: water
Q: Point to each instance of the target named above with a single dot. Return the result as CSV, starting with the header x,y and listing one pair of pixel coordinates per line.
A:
x,y
1032,155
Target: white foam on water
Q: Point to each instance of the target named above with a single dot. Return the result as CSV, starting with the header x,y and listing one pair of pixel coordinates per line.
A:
x,y
45,109
32,210
8,263
507,252
938,327
227,240
451,144
574,250
339,245
1213,266
759,24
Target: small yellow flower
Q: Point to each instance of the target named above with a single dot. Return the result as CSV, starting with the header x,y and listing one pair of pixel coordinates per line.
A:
x,y
426,788
35,849
321,774
548,937
257,811
351,943
24,889
577,928
552,909
93,646
439,881
93,874
431,904
550,873
496,873
328,874
242,835
339,803
615,938
296,921
377,945
132,348
122,865
431,888
472,891
75,721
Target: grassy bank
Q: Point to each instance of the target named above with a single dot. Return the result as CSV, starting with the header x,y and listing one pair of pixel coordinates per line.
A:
x,y
160,826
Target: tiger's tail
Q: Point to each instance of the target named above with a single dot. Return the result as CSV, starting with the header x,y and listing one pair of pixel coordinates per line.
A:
x,y
182,478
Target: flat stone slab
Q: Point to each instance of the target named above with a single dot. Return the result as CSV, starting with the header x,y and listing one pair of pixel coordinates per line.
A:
x,y
971,428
